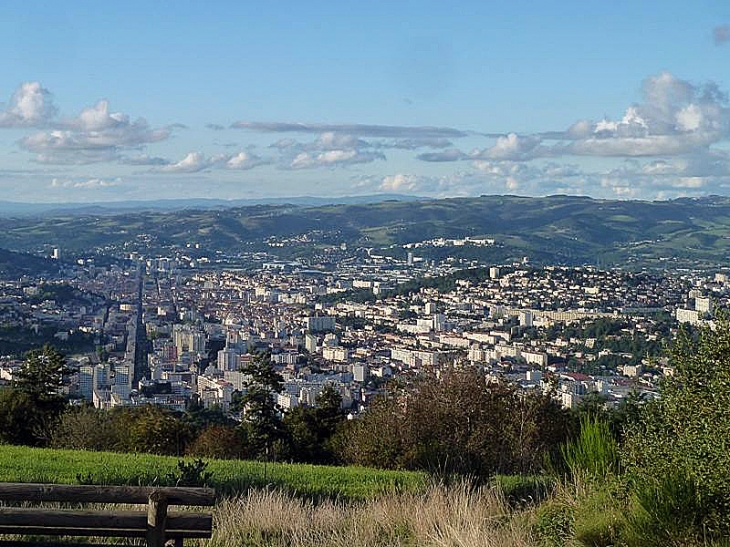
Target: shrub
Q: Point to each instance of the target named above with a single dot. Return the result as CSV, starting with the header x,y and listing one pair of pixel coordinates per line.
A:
x,y
459,424
218,441
666,511
594,454
554,524
683,436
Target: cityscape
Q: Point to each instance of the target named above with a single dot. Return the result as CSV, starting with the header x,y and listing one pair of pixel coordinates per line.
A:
x,y
365,274
168,330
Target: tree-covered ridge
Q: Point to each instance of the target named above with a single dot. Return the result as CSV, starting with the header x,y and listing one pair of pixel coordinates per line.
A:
x,y
554,229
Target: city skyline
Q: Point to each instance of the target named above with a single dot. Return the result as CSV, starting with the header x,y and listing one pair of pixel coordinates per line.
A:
x,y
224,101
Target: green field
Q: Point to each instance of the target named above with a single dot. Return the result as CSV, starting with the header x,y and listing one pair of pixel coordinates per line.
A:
x,y
24,464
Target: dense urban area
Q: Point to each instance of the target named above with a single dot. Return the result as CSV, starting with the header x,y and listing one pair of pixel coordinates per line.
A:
x,y
171,330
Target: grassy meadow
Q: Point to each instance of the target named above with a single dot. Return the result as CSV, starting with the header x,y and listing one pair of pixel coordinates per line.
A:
x,y
25,464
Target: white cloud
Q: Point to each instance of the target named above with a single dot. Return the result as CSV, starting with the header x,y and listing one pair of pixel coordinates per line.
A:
x,y
511,147
194,162
674,118
30,106
333,158
95,135
88,184
244,161
400,183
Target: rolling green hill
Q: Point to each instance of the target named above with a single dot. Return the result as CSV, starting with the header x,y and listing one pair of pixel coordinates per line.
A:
x,y
554,229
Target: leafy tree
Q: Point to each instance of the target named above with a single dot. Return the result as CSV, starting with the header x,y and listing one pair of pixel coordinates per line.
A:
x,y
87,428
218,441
30,409
22,420
686,431
157,431
459,424
310,430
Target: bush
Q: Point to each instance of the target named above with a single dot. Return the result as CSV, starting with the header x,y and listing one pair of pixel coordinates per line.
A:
x,y
219,442
554,523
594,454
683,436
459,424
86,428
666,511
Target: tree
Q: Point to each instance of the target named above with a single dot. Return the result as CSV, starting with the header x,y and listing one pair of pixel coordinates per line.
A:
x,y
87,428
22,421
218,441
157,431
30,409
42,373
310,430
262,425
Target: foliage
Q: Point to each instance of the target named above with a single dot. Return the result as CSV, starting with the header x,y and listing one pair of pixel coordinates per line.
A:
x,y
685,432
310,430
30,409
157,431
594,453
524,489
218,441
24,419
262,427
459,424
190,474
42,373
86,428
668,511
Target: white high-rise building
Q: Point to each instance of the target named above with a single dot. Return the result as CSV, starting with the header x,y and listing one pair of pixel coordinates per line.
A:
x,y
320,323
703,304
228,359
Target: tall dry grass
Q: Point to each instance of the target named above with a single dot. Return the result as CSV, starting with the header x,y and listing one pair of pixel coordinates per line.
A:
x,y
442,516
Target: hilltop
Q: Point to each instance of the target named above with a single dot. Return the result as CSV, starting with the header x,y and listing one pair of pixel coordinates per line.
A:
x,y
552,230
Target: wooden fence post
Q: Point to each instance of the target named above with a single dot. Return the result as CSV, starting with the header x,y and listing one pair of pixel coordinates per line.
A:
x,y
156,519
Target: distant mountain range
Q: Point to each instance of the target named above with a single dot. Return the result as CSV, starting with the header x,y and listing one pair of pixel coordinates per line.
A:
x,y
681,233
17,209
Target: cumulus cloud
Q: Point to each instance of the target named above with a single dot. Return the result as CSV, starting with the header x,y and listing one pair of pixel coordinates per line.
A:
x,y
333,158
674,118
87,184
31,105
721,34
400,183
194,162
95,135
244,161
512,147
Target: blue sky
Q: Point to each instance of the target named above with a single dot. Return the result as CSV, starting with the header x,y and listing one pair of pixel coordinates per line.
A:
x,y
111,101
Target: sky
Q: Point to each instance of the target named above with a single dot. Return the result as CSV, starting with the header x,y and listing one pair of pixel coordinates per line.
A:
x,y
103,101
